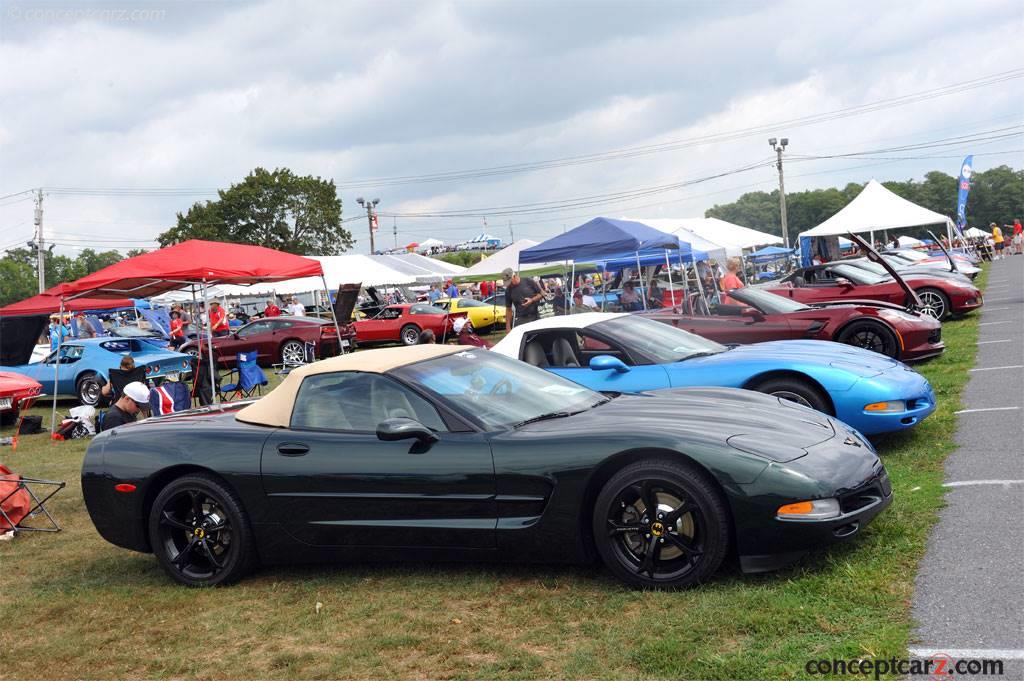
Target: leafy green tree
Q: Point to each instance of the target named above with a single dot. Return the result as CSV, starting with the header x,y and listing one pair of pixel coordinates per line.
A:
x,y
275,209
18,279
135,251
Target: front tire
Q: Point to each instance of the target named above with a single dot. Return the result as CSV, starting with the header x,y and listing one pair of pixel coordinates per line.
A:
x,y
661,525
795,390
200,533
935,303
871,336
88,389
409,335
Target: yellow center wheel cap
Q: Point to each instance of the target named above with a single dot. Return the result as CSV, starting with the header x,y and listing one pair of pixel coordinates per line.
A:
x,y
657,529
199,532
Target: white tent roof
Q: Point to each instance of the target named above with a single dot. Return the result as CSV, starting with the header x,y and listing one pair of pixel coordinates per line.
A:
x,y
715,250
975,233
733,238
909,242
506,257
427,244
875,209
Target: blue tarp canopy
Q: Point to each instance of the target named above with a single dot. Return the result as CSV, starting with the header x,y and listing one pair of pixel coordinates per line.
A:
x,y
650,258
598,239
769,253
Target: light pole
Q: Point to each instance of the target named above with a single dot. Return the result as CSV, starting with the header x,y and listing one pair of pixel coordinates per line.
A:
x,y
371,217
779,146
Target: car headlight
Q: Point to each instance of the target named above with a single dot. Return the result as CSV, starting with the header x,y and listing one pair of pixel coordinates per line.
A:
x,y
818,509
890,407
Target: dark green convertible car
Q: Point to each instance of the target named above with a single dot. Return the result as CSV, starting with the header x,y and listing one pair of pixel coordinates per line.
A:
x,y
447,453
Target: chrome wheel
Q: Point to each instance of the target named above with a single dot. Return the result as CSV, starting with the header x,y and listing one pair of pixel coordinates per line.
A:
x,y
292,353
410,335
89,391
933,303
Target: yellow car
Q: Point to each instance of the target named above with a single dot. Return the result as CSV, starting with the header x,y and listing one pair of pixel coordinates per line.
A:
x,y
483,315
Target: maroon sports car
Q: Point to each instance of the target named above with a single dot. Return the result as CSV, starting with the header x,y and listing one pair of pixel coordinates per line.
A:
x,y
935,296
764,316
277,340
403,324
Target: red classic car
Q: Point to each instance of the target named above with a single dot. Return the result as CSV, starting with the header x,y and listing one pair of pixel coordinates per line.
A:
x,y
276,339
935,296
403,323
17,392
764,316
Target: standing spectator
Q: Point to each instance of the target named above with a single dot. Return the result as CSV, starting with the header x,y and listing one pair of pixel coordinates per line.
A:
x,y
730,281
435,293
452,291
218,320
296,309
523,295
997,239
177,331
486,290
1018,237
629,298
271,310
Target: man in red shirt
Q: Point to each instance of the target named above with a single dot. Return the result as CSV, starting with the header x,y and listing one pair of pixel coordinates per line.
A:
x,y
218,320
1018,237
485,289
271,310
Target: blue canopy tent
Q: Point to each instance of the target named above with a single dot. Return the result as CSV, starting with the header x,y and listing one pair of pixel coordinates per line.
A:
x,y
769,254
598,239
685,254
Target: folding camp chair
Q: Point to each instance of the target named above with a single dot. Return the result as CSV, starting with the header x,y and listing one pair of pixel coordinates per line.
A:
x,y
119,378
21,502
250,378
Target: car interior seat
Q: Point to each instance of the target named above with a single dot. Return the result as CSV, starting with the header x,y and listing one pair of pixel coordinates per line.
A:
x,y
799,281
564,354
534,354
388,402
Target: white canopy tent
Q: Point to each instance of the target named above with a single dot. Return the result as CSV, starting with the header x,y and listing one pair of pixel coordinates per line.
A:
x,y
909,242
975,233
876,209
715,250
733,238
427,244
493,265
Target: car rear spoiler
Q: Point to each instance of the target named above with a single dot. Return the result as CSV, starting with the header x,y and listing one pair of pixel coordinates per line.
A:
x,y
951,259
911,301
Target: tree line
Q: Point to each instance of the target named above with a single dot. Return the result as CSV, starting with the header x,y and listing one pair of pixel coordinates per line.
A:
x,y
997,195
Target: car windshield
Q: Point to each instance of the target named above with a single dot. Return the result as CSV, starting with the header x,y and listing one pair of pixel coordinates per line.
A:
x,y
470,302
873,267
911,255
134,332
857,275
662,343
497,390
766,301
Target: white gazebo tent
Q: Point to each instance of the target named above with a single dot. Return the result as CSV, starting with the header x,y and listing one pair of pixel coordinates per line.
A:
x,y
491,267
733,238
975,233
874,210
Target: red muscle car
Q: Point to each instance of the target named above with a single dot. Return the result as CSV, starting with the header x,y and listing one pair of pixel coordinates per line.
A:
x,y
763,316
838,281
17,393
277,340
403,323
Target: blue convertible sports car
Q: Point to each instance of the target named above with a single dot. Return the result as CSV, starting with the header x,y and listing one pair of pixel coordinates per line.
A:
x,y
83,362
627,353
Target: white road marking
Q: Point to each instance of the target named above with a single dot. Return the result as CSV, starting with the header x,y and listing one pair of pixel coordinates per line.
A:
x,y
968,483
1000,300
1003,340
977,653
992,309
991,323
972,411
1012,366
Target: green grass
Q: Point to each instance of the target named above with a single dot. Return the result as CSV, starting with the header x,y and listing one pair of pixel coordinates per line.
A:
x,y
80,608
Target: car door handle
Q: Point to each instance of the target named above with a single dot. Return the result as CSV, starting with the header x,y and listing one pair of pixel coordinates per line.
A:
x,y
292,449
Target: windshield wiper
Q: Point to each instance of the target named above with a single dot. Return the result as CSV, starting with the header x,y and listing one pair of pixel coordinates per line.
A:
x,y
702,353
544,417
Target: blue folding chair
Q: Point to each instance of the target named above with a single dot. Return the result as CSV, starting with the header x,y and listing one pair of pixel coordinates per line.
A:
x,y
249,378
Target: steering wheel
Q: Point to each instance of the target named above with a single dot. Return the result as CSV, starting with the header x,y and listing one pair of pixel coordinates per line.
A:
x,y
502,387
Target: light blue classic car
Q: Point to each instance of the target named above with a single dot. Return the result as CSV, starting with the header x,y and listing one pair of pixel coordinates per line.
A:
x,y
628,353
83,364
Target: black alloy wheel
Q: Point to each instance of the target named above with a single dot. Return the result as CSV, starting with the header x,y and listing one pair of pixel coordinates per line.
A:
x,y
795,390
199,532
88,389
934,302
871,336
661,525
410,334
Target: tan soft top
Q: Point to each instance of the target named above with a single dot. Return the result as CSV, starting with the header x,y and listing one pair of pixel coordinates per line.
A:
x,y
275,409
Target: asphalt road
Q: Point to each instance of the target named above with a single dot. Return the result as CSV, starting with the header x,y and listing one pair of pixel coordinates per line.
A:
x,y
969,599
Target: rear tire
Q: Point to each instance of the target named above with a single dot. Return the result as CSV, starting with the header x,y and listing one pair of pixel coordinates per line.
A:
x,y
796,390
200,533
871,336
682,543
293,352
409,335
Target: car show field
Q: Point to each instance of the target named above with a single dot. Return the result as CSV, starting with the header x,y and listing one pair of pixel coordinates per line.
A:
x,y
74,594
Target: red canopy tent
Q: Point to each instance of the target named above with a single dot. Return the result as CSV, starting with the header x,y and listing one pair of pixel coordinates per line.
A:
x,y
192,263
49,302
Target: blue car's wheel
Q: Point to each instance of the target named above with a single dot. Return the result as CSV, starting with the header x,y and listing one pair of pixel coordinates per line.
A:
x,y
660,525
796,390
88,389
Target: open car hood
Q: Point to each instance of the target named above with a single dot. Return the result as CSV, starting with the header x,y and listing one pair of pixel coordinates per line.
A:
x,y
345,302
950,259
871,254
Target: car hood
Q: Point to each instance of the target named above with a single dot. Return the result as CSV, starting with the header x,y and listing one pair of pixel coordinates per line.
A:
x,y
751,422
863,363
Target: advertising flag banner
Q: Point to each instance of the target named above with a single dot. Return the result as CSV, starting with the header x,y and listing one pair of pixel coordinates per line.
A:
x,y
964,186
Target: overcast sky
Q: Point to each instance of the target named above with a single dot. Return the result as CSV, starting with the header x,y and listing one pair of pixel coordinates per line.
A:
x,y
194,94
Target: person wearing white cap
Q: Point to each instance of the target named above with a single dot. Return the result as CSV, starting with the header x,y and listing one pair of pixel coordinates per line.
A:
x,y
134,399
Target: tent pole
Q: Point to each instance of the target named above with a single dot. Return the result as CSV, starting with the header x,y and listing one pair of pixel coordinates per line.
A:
x,y
56,367
572,288
334,316
209,346
671,287
640,273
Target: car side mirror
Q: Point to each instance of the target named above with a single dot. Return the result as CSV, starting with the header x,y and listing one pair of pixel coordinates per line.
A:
x,y
753,314
392,430
608,363
844,282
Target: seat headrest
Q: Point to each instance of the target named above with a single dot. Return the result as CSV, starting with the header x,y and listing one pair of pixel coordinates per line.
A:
x,y
534,354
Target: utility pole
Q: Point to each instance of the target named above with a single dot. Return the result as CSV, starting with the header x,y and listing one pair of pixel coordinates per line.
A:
x,y
371,217
40,253
779,148
511,234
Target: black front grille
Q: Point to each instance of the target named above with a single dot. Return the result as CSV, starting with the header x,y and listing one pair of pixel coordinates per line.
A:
x,y
935,336
874,489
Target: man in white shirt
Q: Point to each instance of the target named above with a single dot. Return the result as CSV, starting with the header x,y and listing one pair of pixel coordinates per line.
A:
x,y
296,309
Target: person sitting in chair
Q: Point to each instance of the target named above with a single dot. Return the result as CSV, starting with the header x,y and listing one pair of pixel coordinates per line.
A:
x,y
629,298
127,364
134,400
